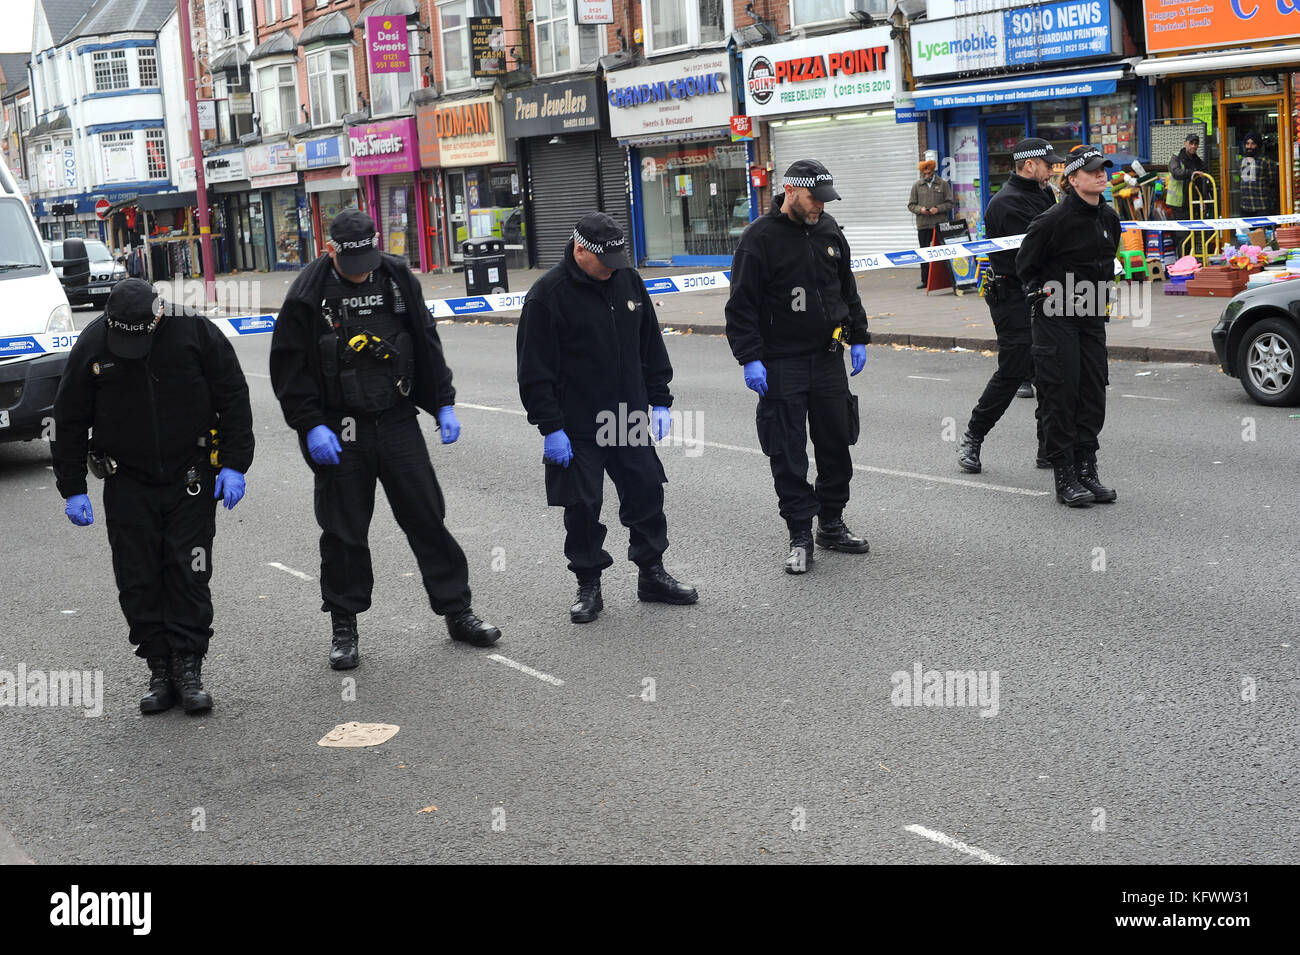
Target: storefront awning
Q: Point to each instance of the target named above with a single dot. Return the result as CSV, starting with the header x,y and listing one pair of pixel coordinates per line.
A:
x,y
387,8
1021,89
681,136
278,44
329,27
230,59
167,200
1219,61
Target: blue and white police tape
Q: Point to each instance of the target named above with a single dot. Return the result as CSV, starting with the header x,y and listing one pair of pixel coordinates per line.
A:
x,y
443,308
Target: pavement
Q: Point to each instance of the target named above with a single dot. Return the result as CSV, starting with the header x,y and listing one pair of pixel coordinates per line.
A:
x,y
1168,327
1144,652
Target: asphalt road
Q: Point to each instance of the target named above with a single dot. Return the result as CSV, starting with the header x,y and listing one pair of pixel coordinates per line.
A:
x,y
1145,712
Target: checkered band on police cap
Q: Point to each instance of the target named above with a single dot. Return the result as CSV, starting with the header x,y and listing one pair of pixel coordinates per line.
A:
x,y
598,248
807,182
1079,160
1029,153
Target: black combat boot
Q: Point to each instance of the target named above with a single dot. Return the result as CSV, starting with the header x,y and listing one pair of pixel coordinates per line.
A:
x,y
588,604
835,535
344,654
1068,489
467,628
187,674
656,585
800,560
161,695
968,453
1086,463
1042,462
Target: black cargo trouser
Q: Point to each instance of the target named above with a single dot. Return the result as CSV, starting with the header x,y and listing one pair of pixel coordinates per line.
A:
x,y
161,539
1015,360
808,395
1071,373
389,448
923,239
639,480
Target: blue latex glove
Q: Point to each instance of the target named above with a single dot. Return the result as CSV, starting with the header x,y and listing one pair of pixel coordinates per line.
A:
x,y
229,487
858,353
557,449
323,445
756,377
661,420
448,424
79,510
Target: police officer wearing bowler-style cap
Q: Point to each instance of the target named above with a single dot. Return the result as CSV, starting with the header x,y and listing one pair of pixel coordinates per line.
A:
x,y
1067,266
355,352
1021,199
793,306
155,381
591,358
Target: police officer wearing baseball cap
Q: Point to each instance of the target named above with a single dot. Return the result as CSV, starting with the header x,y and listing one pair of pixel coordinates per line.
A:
x,y
591,360
1022,198
354,354
156,382
793,307
1067,266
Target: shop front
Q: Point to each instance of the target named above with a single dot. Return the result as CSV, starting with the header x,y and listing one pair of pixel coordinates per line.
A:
x,y
482,196
831,98
273,175
328,182
1217,75
690,182
386,160
571,165
973,124
238,214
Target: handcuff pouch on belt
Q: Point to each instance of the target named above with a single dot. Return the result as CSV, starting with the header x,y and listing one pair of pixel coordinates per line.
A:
x,y
101,464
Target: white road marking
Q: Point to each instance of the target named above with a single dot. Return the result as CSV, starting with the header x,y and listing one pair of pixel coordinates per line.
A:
x,y
289,570
923,378
544,677
911,475
952,843
1148,397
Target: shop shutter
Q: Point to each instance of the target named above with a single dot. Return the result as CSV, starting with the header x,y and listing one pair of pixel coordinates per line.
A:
x,y
613,182
561,189
873,160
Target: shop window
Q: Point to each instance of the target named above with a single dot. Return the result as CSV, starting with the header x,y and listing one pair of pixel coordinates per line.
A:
x,y
155,147
110,70
677,23
820,11
454,20
119,156
1112,126
148,62
558,38
1060,122
279,98
329,85
390,92
696,199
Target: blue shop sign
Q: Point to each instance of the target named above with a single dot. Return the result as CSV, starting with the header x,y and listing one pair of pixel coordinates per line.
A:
x,y
682,88
1057,31
323,152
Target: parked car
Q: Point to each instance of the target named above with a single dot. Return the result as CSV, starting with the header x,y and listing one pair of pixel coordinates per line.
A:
x,y
105,272
1257,341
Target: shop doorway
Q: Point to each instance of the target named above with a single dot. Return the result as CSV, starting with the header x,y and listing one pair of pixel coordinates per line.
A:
x,y
1254,182
1001,133
457,214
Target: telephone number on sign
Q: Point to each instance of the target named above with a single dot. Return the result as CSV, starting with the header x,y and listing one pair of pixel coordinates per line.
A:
x,y
875,86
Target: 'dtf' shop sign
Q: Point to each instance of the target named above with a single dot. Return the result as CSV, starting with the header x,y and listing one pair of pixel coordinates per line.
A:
x,y
828,72
663,98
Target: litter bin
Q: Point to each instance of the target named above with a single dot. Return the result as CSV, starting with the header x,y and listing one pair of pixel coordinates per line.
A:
x,y
485,266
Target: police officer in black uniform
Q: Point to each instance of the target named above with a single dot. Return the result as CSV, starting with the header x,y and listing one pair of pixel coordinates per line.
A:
x,y
591,359
1024,197
1067,266
794,305
173,433
355,352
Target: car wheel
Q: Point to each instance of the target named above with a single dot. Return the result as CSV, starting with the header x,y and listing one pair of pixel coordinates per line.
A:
x,y
1266,362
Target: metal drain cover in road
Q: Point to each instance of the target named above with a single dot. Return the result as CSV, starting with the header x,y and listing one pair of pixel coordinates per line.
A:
x,y
359,734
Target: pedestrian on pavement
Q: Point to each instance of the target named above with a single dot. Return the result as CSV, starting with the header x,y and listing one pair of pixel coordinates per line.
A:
x,y
1259,178
793,306
1066,264
931,202
354,354
1023,198
173,434
1182,166
591,359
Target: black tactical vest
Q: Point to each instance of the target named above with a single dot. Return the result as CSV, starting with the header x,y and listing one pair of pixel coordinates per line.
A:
x,y
366,351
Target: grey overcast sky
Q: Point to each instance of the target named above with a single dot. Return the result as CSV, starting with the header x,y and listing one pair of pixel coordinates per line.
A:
x,y
17,19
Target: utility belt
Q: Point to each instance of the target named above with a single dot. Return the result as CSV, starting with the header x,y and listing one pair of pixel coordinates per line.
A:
x,y
103,465
1001,288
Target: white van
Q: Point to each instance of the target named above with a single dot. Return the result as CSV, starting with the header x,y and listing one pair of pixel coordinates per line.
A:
x,y
32,303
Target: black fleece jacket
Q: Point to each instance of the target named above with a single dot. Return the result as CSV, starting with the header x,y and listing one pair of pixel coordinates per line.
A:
x,y
296,372
1073,238
149,413
791,285
585,347
1010,211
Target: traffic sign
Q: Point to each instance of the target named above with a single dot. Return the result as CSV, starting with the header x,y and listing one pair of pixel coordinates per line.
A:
x,y
102,207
